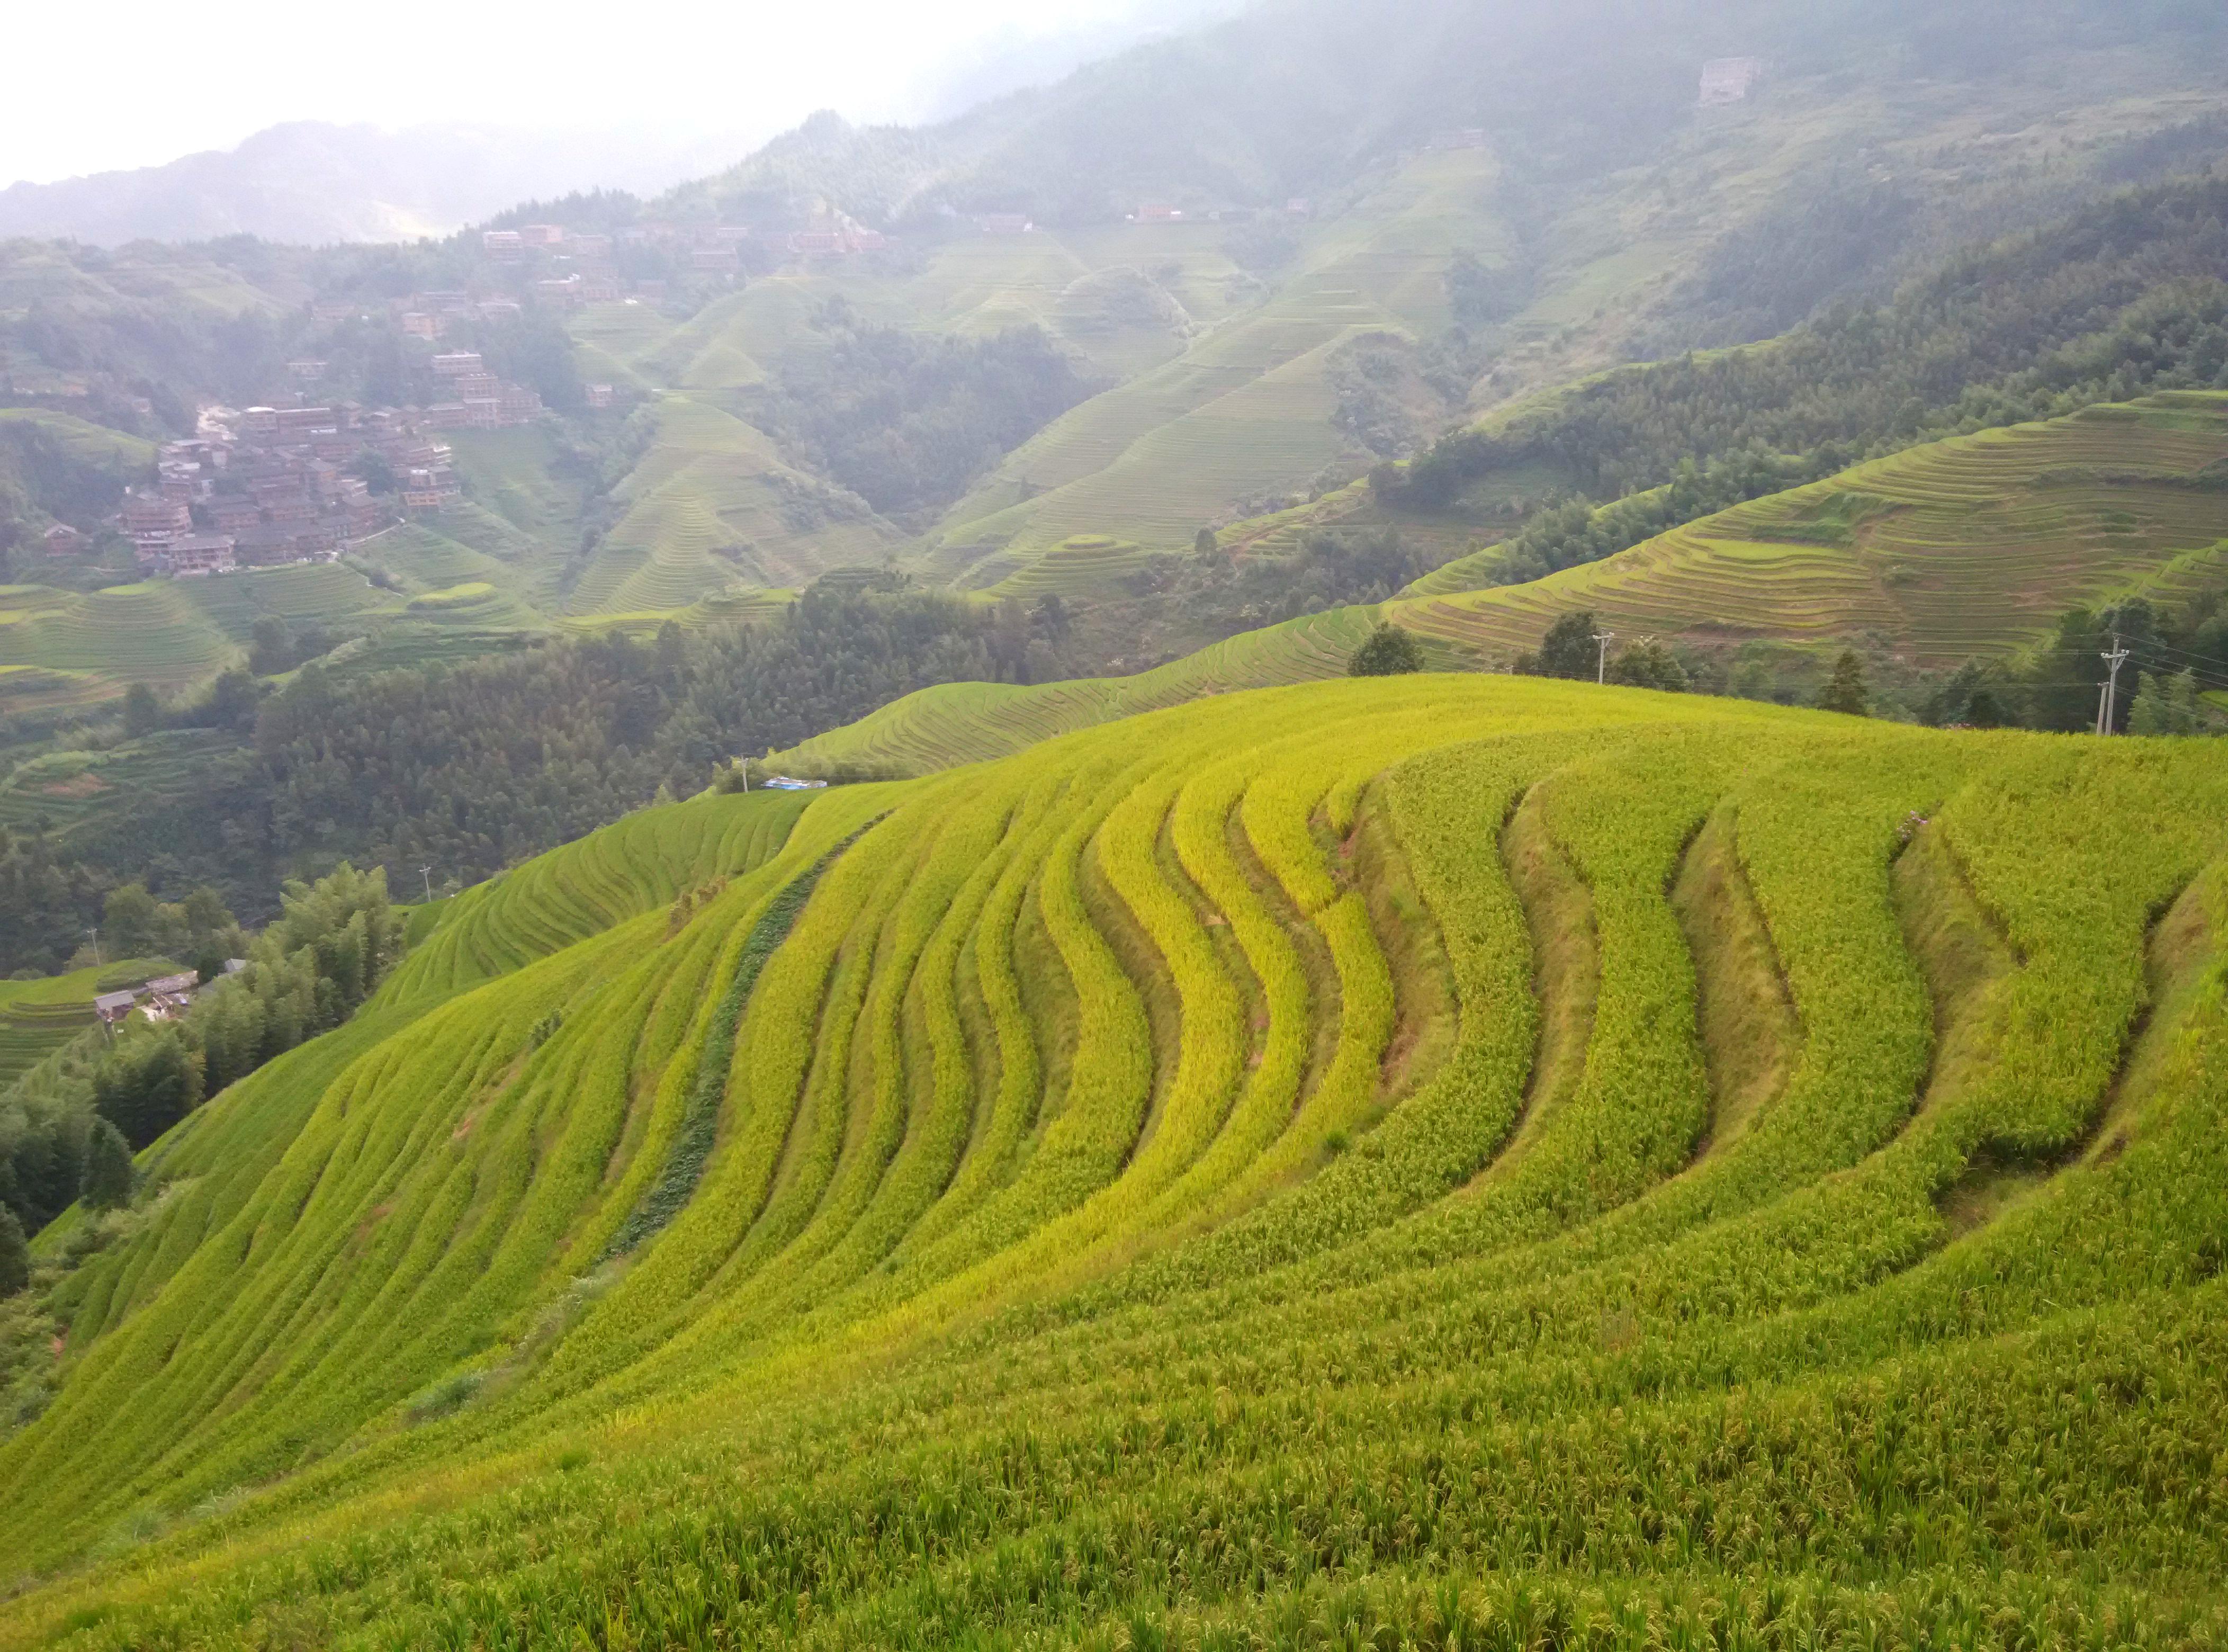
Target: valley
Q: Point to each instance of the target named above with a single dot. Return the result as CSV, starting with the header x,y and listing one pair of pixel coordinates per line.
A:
x,y
1396,826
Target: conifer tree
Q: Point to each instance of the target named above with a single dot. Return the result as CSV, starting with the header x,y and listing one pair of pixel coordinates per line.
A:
x,y
107,1182
2149,715
1844,691
2183,710
15,1254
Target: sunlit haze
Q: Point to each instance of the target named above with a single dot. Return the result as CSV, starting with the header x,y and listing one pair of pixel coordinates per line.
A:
x,y
140,83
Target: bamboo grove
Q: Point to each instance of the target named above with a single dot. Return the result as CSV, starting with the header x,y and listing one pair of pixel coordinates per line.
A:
x,y
1437,1161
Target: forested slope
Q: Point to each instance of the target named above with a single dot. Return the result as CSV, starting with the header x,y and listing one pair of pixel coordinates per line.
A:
x,y
1438,1158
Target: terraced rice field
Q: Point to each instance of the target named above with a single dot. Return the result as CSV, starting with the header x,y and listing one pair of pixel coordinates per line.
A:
x,y
514,475
1444,1159
1244,410
474,604
70,789
1970,545
968,722
734,605
152,633
126,457
713,505
328,593
38,1017
1087,564
571,893
611,341
1216,388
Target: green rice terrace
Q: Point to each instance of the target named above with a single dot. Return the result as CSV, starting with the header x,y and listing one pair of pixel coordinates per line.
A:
x,y
1974,545
38,1017
1445,1160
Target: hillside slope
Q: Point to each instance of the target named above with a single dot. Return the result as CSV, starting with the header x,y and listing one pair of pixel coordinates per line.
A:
x,y
1972,546
1420,1159
1260,260
1969,547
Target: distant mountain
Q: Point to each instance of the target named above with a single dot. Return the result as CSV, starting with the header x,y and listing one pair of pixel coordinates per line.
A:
x,y
310,182
1301,97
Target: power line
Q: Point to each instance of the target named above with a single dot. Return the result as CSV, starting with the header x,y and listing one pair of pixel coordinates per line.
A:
x,y
2195,659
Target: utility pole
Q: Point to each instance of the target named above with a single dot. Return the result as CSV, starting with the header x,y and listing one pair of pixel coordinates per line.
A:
x,y
93,935
1601,658
426,873
2114,657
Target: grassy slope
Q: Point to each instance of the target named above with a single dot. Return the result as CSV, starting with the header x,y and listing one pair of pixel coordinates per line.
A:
x,y
93,445
992,1306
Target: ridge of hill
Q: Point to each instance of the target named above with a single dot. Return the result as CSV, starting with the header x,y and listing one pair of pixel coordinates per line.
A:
x,y
1962,548
1259,356
313,182
1590,1132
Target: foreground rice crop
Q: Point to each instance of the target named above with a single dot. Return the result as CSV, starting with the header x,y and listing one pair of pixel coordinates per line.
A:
x,y
1434,1161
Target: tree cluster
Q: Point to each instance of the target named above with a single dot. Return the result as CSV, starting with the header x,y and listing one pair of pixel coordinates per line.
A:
x,y
48,904
469,769
2175,654
1575,647
1221,595
906,421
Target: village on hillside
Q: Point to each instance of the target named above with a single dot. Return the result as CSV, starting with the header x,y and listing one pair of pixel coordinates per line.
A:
x,y
257,487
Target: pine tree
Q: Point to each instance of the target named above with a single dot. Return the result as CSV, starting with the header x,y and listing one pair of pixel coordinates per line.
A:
x,y
108,1174
1846,691
143,712
2183,709
15,1254
2150,713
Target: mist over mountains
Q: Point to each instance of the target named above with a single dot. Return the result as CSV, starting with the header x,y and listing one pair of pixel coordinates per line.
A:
x,y
319,182
315,183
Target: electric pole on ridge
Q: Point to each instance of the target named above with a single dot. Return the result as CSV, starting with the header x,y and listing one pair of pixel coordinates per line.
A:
x,y
1601,657
426,873
2106,705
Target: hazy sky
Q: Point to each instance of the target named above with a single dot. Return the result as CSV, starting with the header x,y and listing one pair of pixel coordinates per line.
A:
x,y
96,87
